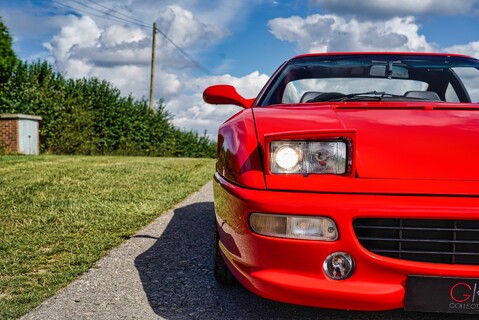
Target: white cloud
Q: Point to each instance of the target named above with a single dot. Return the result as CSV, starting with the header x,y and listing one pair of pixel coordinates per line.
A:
x,y
191,112
122,55
187,33
327,33
383,9
116,46
83,39
471,49
181,26
119,35
79,33
248,86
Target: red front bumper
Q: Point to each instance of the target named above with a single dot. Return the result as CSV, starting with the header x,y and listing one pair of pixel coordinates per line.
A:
x,y
291,270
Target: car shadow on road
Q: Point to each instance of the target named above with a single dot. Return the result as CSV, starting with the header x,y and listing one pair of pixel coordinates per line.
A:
x,y
176,273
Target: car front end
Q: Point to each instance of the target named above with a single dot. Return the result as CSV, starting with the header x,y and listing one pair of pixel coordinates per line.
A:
x,y
360,200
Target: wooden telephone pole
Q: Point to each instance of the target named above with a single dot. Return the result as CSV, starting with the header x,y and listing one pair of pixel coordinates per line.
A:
x,y
152,79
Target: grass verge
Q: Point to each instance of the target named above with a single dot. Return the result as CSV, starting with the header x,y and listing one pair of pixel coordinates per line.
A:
x,y
59,215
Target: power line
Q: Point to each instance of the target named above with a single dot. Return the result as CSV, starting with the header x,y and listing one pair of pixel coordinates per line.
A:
x,y
106,13
82,11
117,12
109,15
183,52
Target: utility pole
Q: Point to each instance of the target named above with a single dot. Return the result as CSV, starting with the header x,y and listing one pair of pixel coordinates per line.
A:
x,y
152,79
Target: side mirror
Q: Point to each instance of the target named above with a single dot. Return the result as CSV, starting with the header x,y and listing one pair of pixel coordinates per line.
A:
x,y
225,94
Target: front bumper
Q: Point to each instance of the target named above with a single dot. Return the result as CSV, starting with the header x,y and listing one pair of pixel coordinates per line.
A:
x,y
291,271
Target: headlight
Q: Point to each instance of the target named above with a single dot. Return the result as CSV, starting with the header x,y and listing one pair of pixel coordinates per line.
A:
x,y
287,158
296,227
305,157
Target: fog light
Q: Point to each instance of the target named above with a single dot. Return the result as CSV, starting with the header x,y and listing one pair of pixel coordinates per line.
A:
x,y
338,266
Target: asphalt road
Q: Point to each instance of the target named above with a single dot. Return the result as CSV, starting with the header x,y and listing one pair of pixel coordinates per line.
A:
x,y
165,272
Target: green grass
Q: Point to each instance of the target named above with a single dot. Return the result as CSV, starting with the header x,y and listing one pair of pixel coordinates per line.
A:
x,y
60,214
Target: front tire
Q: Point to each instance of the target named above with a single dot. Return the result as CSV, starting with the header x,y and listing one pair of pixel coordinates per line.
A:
x,y
220,271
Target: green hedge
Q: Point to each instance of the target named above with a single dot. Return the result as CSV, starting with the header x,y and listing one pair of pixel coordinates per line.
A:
x,y
90,116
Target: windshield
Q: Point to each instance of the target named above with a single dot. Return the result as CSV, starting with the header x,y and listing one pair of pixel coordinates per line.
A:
x,y
375,77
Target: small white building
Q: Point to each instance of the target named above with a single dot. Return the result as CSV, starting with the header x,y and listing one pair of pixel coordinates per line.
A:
x,y
19,133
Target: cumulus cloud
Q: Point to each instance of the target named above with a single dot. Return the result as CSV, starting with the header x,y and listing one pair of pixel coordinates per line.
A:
x,y
326,33
201,116
471,49
122,55
384,9
79,33
116,46
185,30
83,39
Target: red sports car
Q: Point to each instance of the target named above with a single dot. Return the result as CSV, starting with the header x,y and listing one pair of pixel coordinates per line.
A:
x,y
352,182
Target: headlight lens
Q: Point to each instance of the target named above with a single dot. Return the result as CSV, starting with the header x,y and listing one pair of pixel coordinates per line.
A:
x,y
287,158
296,227
305,157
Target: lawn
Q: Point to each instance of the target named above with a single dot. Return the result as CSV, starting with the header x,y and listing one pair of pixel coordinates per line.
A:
x,y
60,214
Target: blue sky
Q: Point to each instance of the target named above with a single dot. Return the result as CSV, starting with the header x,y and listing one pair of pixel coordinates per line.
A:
x,y
236,42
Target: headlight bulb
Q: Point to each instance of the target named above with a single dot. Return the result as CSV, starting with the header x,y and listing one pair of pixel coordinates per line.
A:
x,y
287,157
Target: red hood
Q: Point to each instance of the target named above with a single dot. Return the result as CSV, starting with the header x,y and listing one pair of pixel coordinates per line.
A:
x,y
413,141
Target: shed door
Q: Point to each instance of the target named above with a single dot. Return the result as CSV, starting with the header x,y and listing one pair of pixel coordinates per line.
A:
x,y
28,136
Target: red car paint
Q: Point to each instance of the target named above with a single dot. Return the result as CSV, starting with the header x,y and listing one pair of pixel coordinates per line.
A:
x,y
409,160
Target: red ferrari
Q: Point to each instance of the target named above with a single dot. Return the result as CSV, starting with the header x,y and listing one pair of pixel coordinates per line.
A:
x,y
352,182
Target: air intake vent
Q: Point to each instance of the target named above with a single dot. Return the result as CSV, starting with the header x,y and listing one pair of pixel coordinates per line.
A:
x,y
439,241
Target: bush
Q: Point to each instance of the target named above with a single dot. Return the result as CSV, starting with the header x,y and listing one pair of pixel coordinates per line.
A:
x,y
89,116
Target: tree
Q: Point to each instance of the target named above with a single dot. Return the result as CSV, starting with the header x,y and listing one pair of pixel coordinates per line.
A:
x,y
8,59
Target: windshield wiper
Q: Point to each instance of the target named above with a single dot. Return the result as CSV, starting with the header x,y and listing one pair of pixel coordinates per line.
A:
x,y
370,95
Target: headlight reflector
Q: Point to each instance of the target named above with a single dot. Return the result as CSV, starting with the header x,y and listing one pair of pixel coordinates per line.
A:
x,y
287,158
295,227
305,157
